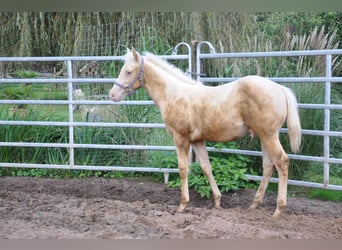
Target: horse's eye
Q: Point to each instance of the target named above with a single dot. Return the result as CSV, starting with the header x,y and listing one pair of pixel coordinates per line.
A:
x,y
129,72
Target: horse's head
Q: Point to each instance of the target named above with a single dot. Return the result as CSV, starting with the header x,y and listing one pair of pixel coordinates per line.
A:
x,y
130,77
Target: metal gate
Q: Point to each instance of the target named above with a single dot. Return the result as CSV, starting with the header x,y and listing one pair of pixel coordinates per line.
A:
x,y
71,124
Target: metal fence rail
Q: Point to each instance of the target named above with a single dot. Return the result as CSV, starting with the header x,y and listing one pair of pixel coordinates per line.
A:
x,y
72,124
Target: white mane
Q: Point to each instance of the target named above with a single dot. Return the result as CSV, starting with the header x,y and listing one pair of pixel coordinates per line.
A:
x,y
171,69
165,66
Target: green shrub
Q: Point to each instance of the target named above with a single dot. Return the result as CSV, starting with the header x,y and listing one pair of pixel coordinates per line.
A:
x,y
229,173
26,73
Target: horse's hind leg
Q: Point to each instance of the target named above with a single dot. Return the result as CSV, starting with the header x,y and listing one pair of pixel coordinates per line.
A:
x,y
202,154
268,170
281,162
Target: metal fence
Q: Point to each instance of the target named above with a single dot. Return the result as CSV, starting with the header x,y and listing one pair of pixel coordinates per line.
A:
x,y
113,38
71,124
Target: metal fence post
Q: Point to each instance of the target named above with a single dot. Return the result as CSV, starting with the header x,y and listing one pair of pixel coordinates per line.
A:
x,y
192,155
175,52
71,115
326,146
197,65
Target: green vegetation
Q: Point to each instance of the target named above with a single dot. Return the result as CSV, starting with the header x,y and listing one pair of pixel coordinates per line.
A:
x,y
229,172
326,195
314,173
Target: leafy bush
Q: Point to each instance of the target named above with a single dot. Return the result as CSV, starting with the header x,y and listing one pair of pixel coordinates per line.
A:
x,y
229,173
16,93
164,159
26,73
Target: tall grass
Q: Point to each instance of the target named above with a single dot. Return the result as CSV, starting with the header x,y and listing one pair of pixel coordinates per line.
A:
x,y
60,134
16,133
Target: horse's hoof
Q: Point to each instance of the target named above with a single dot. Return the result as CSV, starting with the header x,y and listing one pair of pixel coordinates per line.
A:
x,y
218,207
180,209
217,204
252,207
277,213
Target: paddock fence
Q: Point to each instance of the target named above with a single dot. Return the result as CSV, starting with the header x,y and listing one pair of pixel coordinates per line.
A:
x,y
72,101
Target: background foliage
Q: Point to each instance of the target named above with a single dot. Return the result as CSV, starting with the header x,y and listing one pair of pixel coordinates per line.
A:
x,y
55,33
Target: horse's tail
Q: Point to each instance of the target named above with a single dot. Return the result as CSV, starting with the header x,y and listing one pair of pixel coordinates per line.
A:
x,y
293,121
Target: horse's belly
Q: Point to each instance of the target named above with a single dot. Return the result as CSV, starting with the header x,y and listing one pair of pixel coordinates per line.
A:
x,y
221,133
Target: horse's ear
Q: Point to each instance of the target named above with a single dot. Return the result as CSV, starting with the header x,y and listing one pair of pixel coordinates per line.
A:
x,y
128,50
135,54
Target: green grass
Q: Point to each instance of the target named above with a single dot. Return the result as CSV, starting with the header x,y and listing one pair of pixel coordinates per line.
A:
x,y
324,194
335,178
313,193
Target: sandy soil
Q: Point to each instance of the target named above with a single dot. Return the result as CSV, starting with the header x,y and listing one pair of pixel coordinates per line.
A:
x,y
125,208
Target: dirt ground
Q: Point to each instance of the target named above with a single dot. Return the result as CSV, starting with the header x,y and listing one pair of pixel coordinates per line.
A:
x,y
98,208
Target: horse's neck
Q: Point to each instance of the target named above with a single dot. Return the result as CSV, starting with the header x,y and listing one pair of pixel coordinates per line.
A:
x,y
158,84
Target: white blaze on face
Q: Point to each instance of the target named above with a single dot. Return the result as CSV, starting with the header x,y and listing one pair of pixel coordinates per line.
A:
x,y
126,78
117,94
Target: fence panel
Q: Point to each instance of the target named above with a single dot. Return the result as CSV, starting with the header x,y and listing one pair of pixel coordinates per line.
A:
x,y
72,124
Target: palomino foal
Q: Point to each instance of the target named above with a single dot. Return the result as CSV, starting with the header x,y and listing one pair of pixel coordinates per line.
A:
x,y
194,113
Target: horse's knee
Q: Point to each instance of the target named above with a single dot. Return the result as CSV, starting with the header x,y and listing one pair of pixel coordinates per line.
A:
x,y
282,164
183,172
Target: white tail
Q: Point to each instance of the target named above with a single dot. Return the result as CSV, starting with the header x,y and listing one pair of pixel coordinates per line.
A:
x,y
293,121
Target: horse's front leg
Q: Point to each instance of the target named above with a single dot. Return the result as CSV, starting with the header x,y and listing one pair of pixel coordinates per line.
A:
x,y
202,154
182,148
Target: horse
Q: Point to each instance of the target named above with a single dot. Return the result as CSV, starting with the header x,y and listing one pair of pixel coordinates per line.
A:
x,y
194,113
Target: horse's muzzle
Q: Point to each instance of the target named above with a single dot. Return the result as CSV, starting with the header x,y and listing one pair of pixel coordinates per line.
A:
x,y
117,94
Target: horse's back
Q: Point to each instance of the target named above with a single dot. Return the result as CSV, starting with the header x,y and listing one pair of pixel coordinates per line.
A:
x,y
262,90
258,83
